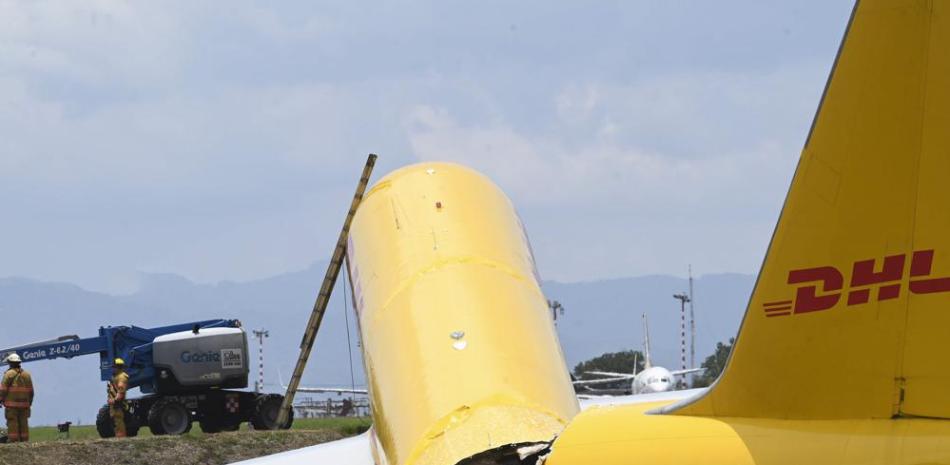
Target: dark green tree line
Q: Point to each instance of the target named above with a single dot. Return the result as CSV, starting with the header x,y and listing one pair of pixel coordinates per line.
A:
x,y
617,362
714,364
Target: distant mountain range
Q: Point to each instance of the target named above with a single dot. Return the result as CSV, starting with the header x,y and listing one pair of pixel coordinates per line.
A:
x,y
600,316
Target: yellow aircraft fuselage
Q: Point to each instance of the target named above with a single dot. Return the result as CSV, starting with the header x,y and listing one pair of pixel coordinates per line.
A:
x,y
626,435
460,349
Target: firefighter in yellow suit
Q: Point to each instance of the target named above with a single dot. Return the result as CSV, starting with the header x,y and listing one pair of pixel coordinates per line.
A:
x,y
117,388
16,395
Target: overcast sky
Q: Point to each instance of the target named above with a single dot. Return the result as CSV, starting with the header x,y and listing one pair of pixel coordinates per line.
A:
x,y
222,141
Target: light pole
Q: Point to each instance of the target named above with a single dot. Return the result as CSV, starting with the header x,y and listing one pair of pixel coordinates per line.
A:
x,y
683,298
260,334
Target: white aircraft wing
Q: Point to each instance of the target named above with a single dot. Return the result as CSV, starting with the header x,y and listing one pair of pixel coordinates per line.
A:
x,y
686,372
349,451
611,374
587,401
320,390
588,382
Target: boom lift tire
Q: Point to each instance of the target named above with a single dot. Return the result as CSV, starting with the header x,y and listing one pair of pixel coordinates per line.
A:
x,y
266,410
168,416
106,429
104,423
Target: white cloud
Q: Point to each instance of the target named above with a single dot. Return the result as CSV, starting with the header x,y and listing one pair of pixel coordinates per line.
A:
x,y
168,140
164,136
97,43
646,168
630,144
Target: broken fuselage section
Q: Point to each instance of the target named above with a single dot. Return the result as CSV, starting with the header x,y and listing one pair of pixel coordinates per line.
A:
x,y
462,358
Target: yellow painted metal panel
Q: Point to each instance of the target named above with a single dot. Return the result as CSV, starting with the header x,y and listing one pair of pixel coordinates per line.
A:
x,y
458,341
835,328
625,435
925,373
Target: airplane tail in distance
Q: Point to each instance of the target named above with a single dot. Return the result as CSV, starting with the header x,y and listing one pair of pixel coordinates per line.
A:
x,y
647,363
850,316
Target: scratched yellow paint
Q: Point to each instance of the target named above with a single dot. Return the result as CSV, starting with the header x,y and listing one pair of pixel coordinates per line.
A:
x,y
459,344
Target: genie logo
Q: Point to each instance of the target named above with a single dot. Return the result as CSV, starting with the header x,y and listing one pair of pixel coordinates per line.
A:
x,y
826,284
200,357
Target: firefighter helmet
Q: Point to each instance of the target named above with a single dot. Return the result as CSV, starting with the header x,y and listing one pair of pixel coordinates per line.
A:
x,y
14,358
119,362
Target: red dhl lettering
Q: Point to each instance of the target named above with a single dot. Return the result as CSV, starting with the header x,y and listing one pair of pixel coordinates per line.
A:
x,y
822,287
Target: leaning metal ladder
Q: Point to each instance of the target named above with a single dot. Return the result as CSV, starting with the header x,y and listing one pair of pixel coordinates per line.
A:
x,y
323,298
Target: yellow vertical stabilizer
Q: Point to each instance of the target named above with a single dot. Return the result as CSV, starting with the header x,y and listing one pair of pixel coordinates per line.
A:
x,y
850,317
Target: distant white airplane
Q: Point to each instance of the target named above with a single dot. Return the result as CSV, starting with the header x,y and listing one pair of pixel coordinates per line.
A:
x,y
322,390
651,380
319,390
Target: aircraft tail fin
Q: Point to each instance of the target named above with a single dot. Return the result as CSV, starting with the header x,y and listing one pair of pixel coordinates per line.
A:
x,y
647,363
851,311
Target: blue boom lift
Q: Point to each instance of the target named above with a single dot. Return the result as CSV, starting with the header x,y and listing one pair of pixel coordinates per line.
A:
x,y
188,372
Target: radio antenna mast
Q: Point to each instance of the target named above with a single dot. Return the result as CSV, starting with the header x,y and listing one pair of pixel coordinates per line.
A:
x,y
692,326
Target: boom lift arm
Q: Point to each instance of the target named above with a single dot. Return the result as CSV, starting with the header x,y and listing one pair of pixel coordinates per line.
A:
x,y
130,343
